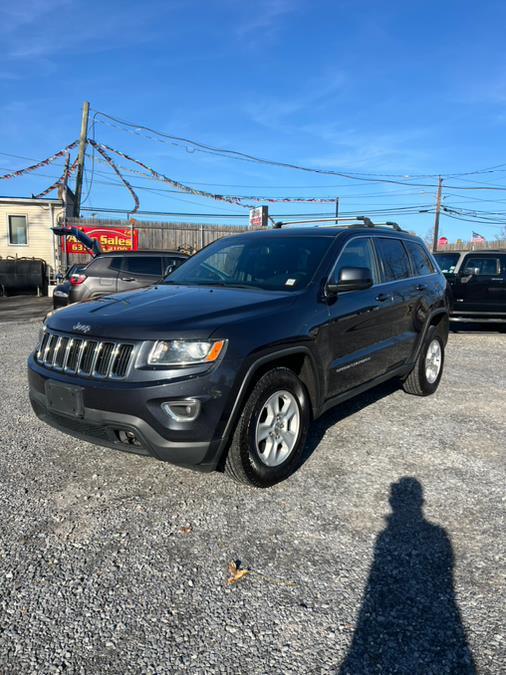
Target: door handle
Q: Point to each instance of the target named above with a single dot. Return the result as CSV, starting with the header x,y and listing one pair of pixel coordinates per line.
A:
x,y
421,287
127,278
382,297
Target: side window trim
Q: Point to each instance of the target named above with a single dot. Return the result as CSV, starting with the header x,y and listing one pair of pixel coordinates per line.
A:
x,y
411,262
372,250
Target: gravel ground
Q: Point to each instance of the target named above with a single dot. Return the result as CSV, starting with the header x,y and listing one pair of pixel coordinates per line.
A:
x,y
112,563
24,308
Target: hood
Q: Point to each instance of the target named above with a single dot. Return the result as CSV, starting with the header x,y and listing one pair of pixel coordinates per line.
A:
x,y
168,312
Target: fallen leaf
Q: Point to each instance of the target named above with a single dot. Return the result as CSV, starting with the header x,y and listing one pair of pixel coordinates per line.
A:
x,y
235,573
186,530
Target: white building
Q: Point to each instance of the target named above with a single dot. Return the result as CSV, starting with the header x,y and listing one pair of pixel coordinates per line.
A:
x,y
25,228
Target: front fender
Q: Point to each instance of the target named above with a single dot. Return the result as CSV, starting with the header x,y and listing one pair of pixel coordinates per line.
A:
x,y
257,365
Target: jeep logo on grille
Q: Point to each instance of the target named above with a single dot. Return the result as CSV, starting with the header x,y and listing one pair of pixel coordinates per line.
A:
x,y
81,327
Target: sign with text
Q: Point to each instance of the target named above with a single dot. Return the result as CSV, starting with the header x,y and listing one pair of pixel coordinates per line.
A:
x,y
258,217
109,238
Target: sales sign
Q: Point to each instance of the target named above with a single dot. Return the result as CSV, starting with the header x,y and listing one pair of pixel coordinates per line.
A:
x,y
258,217
109,238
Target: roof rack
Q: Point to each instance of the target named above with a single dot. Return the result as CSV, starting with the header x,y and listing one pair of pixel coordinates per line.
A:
x,y
358,221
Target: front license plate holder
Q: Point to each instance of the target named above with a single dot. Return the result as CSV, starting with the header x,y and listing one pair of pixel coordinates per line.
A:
x,y
65,399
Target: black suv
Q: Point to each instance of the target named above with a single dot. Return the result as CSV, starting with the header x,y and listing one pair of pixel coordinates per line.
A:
x,y
227,362
115,272
477,280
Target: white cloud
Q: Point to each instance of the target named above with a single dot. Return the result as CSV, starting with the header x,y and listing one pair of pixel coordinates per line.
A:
x,y
382,151
276,113
15,16
264,18
43,29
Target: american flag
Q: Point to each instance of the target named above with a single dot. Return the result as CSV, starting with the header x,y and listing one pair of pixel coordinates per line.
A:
x,y
478,237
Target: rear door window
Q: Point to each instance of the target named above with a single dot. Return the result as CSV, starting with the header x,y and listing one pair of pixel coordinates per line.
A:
x,y
143,265
106,266
419,259
394,261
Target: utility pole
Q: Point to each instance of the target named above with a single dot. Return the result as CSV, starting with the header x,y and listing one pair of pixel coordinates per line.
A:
x,y
438,211
80,160
337,207
65,255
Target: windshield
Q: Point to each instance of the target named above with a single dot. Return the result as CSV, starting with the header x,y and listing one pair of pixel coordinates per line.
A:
x,y
447,261
274,263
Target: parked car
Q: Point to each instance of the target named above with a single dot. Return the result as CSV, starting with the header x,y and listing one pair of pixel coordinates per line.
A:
x,y
477,280
230,359
114,272
62,290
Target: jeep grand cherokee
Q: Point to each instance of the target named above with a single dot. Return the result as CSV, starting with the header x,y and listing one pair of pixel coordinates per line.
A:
x,y
229,361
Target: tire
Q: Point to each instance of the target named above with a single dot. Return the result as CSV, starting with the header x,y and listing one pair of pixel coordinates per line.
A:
x,y
267,462
425,377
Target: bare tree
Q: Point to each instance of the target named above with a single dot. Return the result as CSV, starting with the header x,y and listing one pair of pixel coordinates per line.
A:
x,y
501,234
429,237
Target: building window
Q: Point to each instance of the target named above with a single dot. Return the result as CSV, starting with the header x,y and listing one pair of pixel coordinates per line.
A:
x,y
18,231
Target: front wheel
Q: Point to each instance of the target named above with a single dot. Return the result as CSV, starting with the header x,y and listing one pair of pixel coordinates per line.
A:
x,y
425,377
271,433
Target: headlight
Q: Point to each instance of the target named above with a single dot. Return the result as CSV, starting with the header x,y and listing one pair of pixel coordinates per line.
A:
x,y
185,352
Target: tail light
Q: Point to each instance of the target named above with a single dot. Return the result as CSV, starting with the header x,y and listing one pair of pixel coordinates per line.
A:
x,y
77,279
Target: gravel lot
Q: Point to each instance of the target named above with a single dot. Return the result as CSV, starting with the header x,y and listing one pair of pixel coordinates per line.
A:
x,y
112,563
24,308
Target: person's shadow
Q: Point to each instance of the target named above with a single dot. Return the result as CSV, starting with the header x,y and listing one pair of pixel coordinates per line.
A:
x,y
409,621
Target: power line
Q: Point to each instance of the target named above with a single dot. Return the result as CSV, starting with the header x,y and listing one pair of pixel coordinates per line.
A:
x,y
472,220
199,215
235,154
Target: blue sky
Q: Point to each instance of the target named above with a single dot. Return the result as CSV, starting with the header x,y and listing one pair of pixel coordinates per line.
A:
x,y
360,86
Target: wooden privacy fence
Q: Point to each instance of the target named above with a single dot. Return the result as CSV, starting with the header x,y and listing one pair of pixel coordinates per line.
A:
x,y
160,235
473,245
170,236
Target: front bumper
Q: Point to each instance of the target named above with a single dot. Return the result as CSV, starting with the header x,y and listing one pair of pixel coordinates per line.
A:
x,y
111,407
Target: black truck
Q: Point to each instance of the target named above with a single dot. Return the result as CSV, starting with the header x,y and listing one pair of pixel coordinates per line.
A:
x,y
227,362
477,281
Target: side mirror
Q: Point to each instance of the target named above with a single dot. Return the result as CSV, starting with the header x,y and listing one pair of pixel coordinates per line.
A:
x,y
351,279
470,271
169,269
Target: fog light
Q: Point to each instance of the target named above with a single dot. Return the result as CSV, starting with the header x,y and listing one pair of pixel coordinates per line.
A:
x,y
186,410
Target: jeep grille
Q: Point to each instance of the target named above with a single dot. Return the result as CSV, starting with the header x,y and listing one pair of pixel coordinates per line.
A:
x,y
83,356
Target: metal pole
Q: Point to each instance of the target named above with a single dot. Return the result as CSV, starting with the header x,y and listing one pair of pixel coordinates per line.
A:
x,y
337,207
438,211
80,160
65,255
131,223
